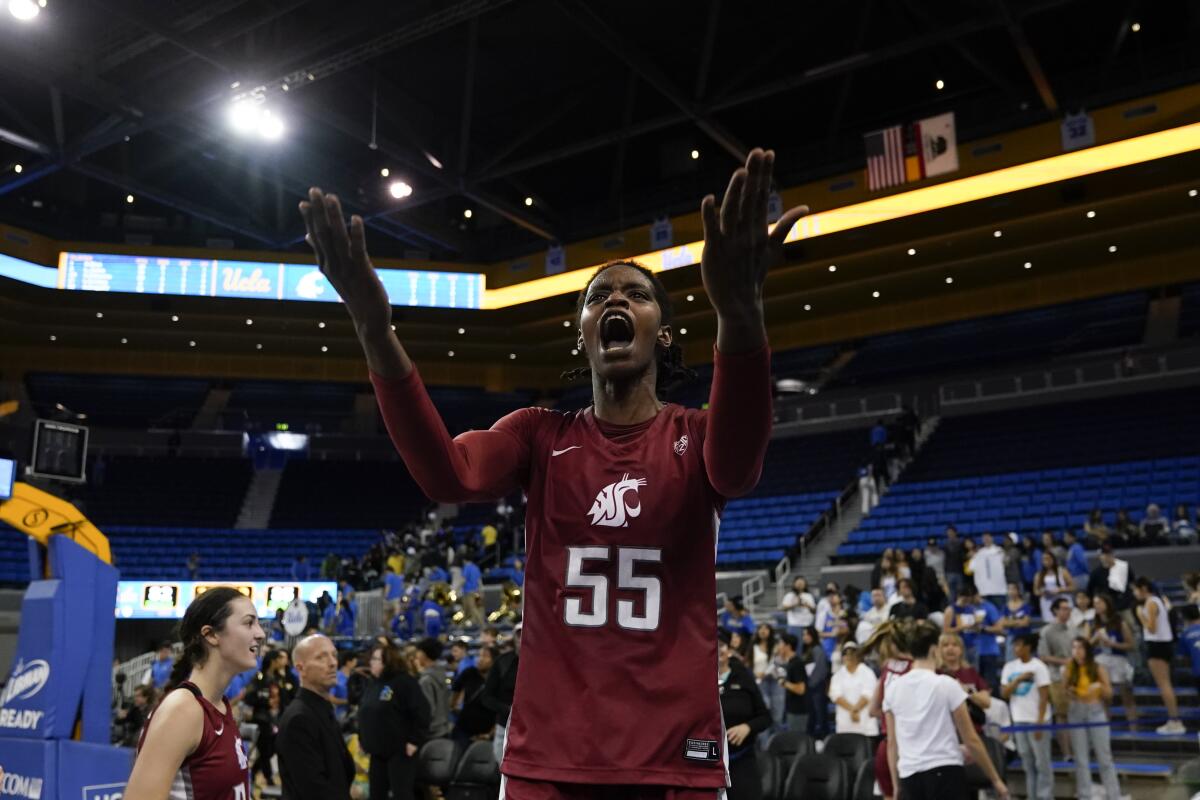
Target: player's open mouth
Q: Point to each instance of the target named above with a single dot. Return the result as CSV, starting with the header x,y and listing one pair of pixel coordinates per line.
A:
x,y
616,332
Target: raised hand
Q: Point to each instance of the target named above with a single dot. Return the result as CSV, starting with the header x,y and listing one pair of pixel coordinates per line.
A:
x,y
342,257
738,249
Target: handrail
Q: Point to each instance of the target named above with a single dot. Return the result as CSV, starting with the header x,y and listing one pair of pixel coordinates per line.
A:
x,y
752,589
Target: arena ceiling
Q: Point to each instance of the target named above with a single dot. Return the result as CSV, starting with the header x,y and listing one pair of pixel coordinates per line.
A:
x,y
590,110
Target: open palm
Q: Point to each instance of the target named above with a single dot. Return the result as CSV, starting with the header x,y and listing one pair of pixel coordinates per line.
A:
x,y
738,248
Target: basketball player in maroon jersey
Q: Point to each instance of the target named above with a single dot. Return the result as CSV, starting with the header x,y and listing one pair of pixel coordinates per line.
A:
x,y
190,747
617,693
891,640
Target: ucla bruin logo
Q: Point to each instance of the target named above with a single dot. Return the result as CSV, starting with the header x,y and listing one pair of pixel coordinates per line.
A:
x,y
611,506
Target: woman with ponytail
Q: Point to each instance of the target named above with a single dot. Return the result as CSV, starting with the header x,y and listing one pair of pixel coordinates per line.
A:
x,y
624,499
195,751
891,639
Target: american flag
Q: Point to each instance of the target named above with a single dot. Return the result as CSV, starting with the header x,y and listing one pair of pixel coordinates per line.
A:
x,y
885,158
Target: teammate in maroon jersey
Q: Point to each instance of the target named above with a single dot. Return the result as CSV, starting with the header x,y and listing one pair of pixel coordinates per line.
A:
x,y
190,748
617,686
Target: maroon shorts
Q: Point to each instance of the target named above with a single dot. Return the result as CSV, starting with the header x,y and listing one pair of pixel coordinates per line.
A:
x,y
526,789
883,775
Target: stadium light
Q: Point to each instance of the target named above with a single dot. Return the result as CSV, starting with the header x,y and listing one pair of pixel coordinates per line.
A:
x,y
400,190
249,117
17,168
24,10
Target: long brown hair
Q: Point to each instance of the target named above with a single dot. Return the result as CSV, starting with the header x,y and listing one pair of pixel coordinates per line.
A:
x,y
1089,664
394,661
210,610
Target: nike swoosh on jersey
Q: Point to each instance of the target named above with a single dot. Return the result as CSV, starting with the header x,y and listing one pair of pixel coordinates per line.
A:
x,y
565,450
219,731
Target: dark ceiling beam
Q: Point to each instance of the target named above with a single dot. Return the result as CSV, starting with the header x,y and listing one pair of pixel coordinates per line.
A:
x,y
584,16
839,108
148,16
25,143
1100,75
562,109
1029,58
809,76
189,207
464,128
31,131
925,20
706,50
207,12
618,178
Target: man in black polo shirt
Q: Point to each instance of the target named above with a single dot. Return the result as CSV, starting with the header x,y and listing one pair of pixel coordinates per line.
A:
x,y
795,683
313,761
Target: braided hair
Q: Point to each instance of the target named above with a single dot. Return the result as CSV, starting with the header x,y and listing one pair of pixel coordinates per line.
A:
x,y
210,610
670,370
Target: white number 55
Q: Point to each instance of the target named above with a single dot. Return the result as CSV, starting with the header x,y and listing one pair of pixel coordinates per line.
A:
x,y
627,558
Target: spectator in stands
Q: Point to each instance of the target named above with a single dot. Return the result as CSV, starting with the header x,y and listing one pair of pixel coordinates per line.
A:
x,y
488,536
1012,560
965,619
472,719
1051,545
393,589
800,607
741,646
314,763
1025,684
935,559
472,596
301,571
954,562
794,676
1160,649
868,491
885,574
1087,685
1112,639
926,716
460,658
1115,577
879,435
815,651
831,623
851,690
1096,528
1030,562
1082,613
1054,649
518,572
873,617
432,679
1154,527
1076,562
735,617
393,722
1183,527
339,693
1125,532
979,691
192,568
745,716
498,689
268,695
1189,640
908,605
340,619
329,567
131,719
1018,618
762,664
991,626
489,636
1051,583
160,668
987,568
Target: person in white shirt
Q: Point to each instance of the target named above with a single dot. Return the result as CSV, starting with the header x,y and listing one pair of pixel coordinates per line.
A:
x,y
1160,649
868,492
926,716
987,567
851,690
800,606
1025,684
1082,614
873,617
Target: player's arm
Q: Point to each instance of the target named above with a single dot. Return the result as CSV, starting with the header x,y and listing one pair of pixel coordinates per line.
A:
x,y
479,465
974,745
175,732
738,250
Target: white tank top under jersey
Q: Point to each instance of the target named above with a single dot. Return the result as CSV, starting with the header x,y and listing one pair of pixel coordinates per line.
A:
x,y
1162,624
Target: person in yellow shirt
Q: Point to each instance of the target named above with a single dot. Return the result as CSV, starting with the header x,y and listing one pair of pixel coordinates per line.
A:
x,y
396,562
489,534
1088,686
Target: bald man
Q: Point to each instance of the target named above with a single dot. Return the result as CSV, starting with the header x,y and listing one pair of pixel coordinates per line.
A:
x,y
313,761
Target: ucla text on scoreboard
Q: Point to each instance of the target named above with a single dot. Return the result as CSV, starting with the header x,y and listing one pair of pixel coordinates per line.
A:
x,y
210,277
169,599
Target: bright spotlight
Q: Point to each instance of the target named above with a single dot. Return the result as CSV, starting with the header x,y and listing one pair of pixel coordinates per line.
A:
x,y
129,199
695,155
23,10
243,116
528,201
17,168
399,190
385,172
467,213
270,127
940,84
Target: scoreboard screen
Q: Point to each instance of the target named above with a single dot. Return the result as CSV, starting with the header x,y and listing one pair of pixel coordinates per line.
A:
x,y
210,277
169,599
59,451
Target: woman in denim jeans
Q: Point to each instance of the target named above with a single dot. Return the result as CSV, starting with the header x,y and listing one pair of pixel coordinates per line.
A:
x,y
1090,691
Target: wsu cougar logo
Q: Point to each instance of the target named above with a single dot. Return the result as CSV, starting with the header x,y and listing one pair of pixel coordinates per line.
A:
x,y
611,506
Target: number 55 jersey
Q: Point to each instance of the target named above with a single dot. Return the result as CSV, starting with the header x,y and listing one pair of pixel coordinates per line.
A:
x,y
618,671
